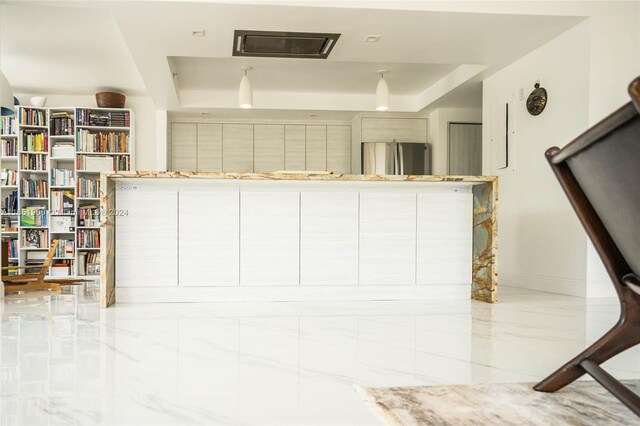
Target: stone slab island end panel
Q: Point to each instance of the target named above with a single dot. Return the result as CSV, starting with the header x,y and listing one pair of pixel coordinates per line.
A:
x,y
174,236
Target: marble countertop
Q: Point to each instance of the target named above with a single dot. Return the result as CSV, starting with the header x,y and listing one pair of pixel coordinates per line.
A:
x,y
301,176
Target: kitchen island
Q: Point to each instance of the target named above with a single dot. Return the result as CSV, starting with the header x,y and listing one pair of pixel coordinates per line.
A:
x,y
174,236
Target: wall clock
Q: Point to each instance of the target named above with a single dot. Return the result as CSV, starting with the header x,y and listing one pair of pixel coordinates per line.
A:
x,y
537,100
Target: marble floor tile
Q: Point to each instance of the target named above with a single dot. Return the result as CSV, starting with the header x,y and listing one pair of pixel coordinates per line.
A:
x,y
63,360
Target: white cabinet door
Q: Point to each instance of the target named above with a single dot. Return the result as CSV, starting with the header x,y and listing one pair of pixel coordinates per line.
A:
x,y
183,147
209,147
237,148
339,149
268,140
269,238
147,238
387,238
209,238
398,129
316,153
445,226
329,238
294,147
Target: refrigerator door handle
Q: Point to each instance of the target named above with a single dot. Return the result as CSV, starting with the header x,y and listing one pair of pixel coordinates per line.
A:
x,y
401,158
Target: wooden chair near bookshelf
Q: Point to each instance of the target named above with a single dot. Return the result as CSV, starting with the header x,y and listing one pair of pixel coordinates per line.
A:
x,y
28,281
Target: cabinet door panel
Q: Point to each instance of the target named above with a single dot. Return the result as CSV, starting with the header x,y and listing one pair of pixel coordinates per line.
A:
x,y
237,148
146,241
390,129
209,238
445,226
269,238
316,153
387,238
183,147
339,149
294,147
209,147
329,238
268,147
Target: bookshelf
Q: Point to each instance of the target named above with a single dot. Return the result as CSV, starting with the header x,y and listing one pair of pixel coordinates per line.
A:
x,y
50,162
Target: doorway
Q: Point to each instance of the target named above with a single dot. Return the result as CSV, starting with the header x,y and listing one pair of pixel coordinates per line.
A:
x,y
465,149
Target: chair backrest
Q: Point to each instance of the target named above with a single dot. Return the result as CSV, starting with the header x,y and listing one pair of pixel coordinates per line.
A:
x,y
48,260
605,162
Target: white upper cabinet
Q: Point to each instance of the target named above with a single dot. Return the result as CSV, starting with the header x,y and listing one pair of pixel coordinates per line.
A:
x,y
390,129
209,150
294,147
268,142
339,149
316,148
237,148
183,147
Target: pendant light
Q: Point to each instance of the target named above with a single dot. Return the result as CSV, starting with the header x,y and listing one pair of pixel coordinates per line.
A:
x,y
245,95
382,93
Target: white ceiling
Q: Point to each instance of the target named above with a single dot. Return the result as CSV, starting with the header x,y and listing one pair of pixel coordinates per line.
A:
x,y
434,57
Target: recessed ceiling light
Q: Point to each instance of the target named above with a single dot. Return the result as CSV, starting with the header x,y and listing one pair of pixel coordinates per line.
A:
x,y
197,33
313,115
206,113
372,38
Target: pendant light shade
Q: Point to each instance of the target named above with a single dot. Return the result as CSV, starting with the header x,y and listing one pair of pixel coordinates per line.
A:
x,y
245,95
6,97
382,93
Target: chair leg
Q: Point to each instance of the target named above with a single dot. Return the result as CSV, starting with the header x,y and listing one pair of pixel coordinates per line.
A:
x,y
622,336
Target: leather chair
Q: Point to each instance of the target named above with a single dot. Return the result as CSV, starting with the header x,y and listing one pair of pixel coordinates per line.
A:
x,y
600,174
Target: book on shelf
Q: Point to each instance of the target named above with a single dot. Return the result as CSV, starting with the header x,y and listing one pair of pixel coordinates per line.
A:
x,y
35,238
33,161
35,140
88,263
89,215
10,224
64,149
61,224
34,188
62,177
8,177
89,117
99,163
88,238
10,203
88,188
13,247
61,123
34,216
7,126
102,142
65,248
9,148
62,201
35,258
32,117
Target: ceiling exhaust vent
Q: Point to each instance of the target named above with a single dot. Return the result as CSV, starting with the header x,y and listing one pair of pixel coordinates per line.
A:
x,y
278,44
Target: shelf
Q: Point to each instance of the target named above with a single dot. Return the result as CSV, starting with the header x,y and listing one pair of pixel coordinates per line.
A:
x,y
9,157
90,171
8,186
62,136
33,227
88,199
34,248
103,153
33,126
87,227
8,232
10,214
88,248
103,128
8,136
64,258
34,198
34,171
63,187
62,158
34,152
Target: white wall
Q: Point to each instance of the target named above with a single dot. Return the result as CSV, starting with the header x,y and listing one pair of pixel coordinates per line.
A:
x,y
542,245
150,146
438,135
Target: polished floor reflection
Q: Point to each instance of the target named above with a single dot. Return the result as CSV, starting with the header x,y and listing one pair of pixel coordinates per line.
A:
x,y
63,360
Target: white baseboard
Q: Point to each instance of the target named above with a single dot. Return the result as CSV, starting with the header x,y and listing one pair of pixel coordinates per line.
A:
x,y
565,286
291,293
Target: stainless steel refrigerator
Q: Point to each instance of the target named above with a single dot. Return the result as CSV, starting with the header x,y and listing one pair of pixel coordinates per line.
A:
x,y
396,158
